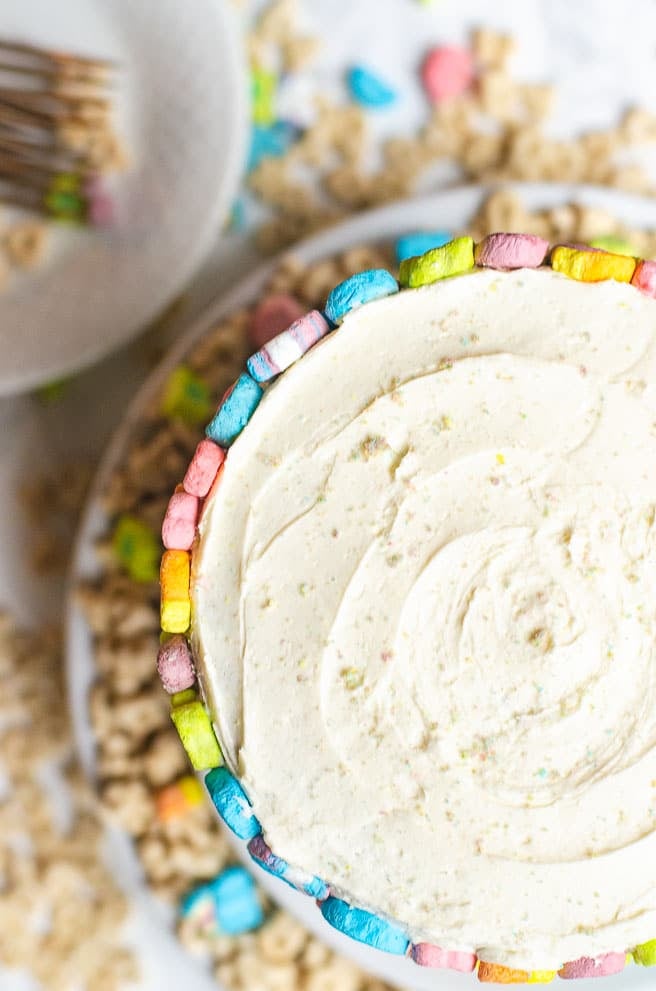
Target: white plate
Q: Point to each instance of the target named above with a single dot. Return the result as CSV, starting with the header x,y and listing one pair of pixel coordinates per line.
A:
x,y
181,103
449,210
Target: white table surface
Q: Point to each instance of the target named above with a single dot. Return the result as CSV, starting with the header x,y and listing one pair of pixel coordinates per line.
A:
x,y
603,57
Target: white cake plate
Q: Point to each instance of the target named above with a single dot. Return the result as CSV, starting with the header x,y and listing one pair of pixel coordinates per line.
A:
x,y
448,210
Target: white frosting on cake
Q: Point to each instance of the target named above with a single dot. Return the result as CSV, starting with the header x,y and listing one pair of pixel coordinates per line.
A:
x,y
425,614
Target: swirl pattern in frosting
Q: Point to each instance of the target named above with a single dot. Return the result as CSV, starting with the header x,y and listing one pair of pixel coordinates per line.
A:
x,y
425,614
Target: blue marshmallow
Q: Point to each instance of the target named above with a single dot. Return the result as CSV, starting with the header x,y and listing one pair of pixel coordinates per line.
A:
x,y
368,89
419,242
232,804
361,288
296,878
236,409
238,908
271,141
227,905
365,927
198,903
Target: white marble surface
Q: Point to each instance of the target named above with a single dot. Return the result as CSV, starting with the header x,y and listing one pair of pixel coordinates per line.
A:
x,y
603,58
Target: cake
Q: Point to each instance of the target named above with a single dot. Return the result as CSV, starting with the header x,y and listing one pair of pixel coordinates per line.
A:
x,y
409,603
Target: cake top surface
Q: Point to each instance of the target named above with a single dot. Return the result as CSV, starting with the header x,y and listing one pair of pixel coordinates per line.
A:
x,y
424,613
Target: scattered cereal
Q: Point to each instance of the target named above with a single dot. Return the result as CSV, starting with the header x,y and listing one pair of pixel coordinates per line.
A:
x,y
56,873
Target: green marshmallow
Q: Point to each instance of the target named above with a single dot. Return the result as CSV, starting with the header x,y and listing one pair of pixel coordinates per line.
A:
x,y
181,698
453,258
197,735
617,245
186,398
645,954
137,548
263,91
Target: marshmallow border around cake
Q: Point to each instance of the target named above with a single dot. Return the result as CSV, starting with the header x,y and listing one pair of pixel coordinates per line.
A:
x,y
176,667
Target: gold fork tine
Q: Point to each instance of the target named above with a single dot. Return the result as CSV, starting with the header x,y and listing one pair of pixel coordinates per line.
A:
x,y
55,57
61,160
82,77
18,119
31,97
30,115
40,100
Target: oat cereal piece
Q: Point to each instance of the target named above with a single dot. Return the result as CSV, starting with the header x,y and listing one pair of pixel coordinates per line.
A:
x,y
592,222
277,20
298,51
26,243
491,49
502,211
563,222
288,276
537,100
118,765
127,663
405,154
340,129
338,975
130,804
632,178
281,939
499,96
321,279
227,976
361,258
638,125
155,856
254,972
482,153
283,231
315,954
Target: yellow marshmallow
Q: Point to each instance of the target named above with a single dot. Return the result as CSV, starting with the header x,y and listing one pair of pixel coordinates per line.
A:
x,y
175,611
592,266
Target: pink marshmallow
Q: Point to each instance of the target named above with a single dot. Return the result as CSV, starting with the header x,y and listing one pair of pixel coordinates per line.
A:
x,y
447,71
509,251
602,966
644,278
175,665
203,469
427,955
179,526
273,315
101,212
